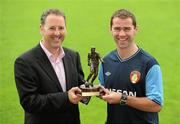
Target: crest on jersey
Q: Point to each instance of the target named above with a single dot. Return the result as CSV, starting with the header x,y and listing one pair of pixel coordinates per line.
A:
x,y
135,76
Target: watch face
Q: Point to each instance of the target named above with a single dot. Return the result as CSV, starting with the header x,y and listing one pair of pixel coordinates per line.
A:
x,y
123,99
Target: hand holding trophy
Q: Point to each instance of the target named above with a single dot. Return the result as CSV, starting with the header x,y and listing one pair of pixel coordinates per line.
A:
x,y
88,89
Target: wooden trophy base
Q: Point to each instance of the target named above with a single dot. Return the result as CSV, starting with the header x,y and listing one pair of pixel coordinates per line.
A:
x,y
90,90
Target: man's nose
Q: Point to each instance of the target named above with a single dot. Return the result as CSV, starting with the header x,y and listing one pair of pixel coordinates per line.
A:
x,y
57,32
122,33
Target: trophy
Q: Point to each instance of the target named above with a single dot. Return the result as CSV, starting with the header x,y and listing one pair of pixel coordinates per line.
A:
x,y
88,89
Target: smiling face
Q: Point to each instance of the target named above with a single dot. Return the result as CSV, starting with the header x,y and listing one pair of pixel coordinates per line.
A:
x,y
123,32
53,31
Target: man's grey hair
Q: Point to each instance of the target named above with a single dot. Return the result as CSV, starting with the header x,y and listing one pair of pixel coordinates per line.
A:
x,y
51,11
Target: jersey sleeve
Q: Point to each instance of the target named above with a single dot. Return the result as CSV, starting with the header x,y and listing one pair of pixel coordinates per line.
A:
x,y
154,86
101,76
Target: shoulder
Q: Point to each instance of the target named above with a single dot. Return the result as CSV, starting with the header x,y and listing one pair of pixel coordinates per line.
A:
x,y
31,53
29,57
145,56
110,55
70,52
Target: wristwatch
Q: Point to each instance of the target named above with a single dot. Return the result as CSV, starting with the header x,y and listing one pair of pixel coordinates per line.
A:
x,y
123,99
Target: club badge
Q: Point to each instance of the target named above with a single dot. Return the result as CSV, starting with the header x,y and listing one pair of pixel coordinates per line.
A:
x,y
135,76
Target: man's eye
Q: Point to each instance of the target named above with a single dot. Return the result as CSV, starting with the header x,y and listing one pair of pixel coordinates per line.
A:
x,y
117,29
61,28
127,29
52,28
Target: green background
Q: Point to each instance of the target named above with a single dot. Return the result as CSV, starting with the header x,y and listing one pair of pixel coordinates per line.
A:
x,y
88,25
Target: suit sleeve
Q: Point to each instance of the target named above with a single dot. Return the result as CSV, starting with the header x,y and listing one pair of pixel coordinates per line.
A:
x,y
80,71
29,92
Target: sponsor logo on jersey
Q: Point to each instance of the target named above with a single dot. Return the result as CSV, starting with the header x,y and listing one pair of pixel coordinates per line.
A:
x,y
135,76
129,93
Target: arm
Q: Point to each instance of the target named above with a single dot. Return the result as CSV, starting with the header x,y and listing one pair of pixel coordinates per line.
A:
x,y
143,104
140,103
101,76
30,91
154,93
80,71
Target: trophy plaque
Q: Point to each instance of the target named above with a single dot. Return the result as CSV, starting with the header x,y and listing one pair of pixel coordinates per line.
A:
x,y
88,89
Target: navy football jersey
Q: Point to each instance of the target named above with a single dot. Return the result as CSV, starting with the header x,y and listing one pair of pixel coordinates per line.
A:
x,y
138,76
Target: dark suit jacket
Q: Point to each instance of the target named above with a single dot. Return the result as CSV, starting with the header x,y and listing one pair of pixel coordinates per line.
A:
x,y
39,90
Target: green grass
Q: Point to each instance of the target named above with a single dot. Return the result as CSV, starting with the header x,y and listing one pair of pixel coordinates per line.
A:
x,y
87,25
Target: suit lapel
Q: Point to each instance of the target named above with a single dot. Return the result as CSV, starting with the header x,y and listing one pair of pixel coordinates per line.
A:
x,y
46,66
67,67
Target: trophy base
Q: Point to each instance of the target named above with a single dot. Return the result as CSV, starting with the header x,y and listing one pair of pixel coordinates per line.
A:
x,y
90,93
90,90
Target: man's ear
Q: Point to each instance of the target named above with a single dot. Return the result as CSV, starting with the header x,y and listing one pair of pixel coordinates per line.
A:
x,y
41,28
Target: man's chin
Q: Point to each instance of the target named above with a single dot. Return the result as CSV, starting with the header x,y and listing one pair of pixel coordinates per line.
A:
x,y
122,46
56,45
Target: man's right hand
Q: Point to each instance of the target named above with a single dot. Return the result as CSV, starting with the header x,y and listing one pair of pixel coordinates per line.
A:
x,y
111,97
74,95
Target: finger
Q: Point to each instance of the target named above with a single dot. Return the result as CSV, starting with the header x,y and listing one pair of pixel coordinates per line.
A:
x,y
78,94
105,97
77,89
107,91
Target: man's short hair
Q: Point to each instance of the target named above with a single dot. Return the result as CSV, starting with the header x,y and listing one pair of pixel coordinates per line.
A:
x,y
51,11
123,14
